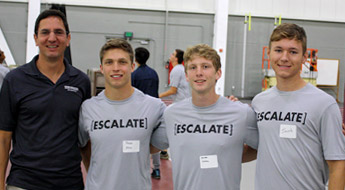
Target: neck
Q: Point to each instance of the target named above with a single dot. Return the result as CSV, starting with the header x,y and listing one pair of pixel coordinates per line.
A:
x,y
204,100
52,69
174,63
289,84
118,94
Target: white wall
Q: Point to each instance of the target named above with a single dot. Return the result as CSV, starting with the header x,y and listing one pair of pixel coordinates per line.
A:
x,y
320,10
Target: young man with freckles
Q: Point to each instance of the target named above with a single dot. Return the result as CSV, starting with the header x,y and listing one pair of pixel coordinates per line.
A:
x,y
301,144
207,132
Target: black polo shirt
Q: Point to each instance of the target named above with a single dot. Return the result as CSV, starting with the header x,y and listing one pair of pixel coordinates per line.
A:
x,y
43,117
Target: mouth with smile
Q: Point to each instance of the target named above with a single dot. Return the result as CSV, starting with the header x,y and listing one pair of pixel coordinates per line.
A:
x,y
199,81
52,47
283,66
116,76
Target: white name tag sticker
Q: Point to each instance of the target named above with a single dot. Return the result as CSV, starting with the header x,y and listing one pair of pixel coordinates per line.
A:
x,y
288,131
208,161
130,146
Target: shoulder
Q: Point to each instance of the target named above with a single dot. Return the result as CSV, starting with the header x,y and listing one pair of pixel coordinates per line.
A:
x,y
4,69
179,106
263,95
76,72
318,94
19,71
147,99
94,100
136,71
231,105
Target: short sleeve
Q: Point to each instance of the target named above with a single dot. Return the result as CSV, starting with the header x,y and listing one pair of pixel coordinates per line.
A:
x,y
252,134
159,137
333,140
83,133
8,119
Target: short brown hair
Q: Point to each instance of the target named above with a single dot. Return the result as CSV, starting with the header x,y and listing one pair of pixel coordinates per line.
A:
x,y
117,43
289,31
205,51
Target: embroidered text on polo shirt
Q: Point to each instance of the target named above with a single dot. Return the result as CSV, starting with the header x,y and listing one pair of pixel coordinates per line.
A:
x,y
71,88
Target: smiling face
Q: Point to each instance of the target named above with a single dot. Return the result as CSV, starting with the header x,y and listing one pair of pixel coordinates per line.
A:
x,y
52,38
286,57
117,68
202,75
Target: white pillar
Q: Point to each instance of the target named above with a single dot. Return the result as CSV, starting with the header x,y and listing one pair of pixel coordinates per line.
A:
x,y
220,38
4,47
244,56
34,8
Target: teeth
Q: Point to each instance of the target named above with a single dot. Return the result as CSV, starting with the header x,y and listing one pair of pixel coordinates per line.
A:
x,y
52,46
116,76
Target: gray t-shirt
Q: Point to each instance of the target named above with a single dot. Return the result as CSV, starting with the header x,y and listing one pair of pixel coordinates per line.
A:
x,y
206,143
3,71
178,80
298,131
120,134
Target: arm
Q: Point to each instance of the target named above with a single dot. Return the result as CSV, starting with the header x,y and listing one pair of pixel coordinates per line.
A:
x,y
153,149
172,90
249,154
5,145
86,155
336,174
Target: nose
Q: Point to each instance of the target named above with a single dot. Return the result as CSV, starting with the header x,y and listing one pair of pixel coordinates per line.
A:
x,y
115,66
52,36
199,71
284,56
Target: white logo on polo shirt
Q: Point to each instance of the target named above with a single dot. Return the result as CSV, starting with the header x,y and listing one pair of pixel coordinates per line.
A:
x,y
71,88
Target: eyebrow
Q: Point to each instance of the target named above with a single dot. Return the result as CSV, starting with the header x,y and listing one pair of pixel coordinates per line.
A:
x,y
291,48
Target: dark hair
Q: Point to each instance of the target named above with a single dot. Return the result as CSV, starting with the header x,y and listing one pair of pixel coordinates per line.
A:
x,y
141,55
179,55
289,31
117,43
49,13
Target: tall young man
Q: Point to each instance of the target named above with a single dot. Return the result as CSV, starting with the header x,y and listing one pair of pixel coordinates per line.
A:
x,y
39,110
121,123
301,144
207,132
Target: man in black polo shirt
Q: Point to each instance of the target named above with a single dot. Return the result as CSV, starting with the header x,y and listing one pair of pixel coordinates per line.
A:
x,y
39,110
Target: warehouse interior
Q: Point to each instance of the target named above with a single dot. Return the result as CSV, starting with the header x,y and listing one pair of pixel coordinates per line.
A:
x,y
163,26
